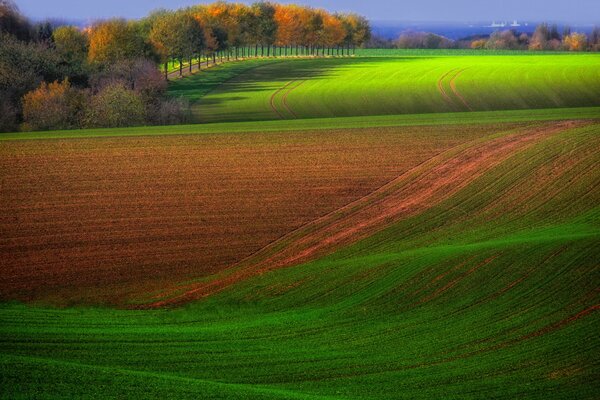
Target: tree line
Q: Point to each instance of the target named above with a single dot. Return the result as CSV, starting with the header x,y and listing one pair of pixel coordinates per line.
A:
x,y
106,75
235,30
545,38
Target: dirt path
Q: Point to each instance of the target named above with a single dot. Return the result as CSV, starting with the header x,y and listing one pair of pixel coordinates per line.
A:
x,y
409,194
456,92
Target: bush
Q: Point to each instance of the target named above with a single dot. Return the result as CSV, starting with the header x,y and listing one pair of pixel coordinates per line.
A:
x,y
116,106
53,106
172,112
139,74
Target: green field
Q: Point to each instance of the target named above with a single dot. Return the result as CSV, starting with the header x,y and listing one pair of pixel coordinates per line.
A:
x,y
469,270
409,84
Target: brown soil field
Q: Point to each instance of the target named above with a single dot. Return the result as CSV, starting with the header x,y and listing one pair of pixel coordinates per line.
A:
x,y
413,191
117,220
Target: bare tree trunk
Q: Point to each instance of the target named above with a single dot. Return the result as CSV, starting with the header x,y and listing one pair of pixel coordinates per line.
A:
x,y
166,71
180,67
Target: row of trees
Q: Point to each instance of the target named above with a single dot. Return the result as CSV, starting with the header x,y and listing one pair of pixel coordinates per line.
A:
x,y
224,30
230,30
77,70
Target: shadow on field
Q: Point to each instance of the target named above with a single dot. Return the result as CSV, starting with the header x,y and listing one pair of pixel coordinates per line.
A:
x,y
270,76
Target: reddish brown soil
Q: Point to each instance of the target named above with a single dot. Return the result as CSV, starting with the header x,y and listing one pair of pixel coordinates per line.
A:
x,y
410,193
113,220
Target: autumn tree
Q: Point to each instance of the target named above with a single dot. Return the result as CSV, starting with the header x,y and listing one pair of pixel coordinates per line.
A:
x,y
575,42
53,106
333,32
114,40
291,25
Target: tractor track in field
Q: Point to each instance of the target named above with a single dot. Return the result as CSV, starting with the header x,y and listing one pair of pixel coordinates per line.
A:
x,y
445,95
407,195
272,99
440,86
285,97
456,92
290,88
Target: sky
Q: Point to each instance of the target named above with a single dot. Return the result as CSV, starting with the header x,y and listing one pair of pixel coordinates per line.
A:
x,y
570,11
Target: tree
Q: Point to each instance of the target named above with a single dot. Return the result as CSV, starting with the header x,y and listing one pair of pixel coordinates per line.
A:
x,y
177,36
539,40
12,22
545,38
70,43
114,40
595,39
333,31
576,42
23,66
361,30
53,106
291,29
267,26
478,44
502,40
43,31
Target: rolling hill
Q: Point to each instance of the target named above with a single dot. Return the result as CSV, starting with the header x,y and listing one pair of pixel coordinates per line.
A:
x,y
409,84
405,261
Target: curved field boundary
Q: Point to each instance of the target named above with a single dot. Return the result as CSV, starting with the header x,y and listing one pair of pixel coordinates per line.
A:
x,y
411,193
456,92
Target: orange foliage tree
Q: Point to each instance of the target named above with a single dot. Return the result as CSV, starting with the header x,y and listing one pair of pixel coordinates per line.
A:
x,y
575,42
53,106
114,40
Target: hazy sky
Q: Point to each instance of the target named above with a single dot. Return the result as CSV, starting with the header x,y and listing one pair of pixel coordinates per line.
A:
x,y
400,10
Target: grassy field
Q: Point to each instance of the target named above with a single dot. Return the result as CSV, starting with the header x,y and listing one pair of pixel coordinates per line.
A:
x,y
464,264
397,225
399,84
